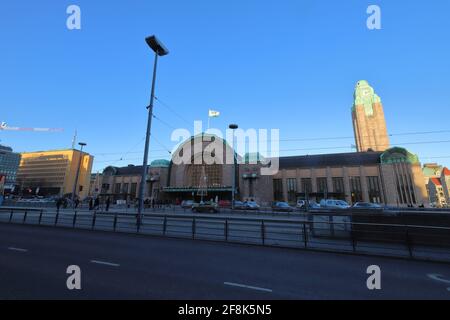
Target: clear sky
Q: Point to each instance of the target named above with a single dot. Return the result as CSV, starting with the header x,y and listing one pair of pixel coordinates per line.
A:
x,y
290,65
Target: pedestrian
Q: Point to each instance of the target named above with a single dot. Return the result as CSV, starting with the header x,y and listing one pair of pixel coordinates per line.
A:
x,y
77,202
108,202
58,204
96,203
91,204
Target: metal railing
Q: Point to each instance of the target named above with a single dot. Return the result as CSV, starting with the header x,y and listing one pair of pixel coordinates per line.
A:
x,y
317,232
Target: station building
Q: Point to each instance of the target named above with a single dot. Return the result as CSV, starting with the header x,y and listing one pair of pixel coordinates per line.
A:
x,y
375,173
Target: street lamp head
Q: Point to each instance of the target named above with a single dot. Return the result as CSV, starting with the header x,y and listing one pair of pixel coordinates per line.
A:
x,y
156,46
233,126
82,144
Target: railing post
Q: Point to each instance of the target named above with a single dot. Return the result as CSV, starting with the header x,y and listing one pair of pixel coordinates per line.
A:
x,y
25,216
352,236
11,215
193,228
56,218
139,222
93,219
263,233
408,243
115,222
40,217
164,226
74,219
226,230
305,236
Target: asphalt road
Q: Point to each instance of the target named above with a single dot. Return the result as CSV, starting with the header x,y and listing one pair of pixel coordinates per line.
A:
x,y
33,263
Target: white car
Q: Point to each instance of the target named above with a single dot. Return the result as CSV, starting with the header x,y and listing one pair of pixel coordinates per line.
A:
x,y
334,204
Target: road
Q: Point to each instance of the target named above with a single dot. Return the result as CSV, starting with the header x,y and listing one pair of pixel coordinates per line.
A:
x,y
33,263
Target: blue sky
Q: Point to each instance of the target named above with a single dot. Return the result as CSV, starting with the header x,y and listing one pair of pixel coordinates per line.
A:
x,y
290,65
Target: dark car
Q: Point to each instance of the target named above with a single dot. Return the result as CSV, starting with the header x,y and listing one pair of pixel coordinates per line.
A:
x,y
205,207
282,207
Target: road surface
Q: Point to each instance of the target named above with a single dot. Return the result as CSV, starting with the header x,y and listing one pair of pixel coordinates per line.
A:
x,y
34,260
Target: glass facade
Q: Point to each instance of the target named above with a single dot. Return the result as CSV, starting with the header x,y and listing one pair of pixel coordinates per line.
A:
x,y
9,165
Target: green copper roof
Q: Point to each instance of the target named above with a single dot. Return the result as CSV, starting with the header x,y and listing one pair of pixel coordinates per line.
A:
x,y
162,163
252,158
397,154
365,95
432,172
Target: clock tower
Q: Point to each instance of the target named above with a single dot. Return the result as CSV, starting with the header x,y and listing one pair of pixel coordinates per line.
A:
x,y
369,124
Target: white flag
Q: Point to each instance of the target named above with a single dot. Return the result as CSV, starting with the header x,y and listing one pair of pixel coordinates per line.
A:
x,y
214,114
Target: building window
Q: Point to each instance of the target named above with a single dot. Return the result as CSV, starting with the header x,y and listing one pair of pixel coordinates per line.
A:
x,y
306,186
278,189
292,189
251,188
125,188
105,188
355,189
213,174
133,190
339,188
373,185
322,188
117,188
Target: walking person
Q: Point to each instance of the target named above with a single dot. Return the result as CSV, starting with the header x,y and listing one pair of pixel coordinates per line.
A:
x,y
108,203
77,203
96,203
58,204
91,204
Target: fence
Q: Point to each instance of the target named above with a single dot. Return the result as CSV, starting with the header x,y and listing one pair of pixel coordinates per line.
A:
x,y
321,232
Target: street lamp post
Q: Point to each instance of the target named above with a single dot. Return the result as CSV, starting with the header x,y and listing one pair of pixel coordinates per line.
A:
x,y
82,144
160,50
233,127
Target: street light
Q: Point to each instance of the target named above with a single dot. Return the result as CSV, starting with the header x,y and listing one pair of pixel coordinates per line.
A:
x,y
233,127
82,144
160,50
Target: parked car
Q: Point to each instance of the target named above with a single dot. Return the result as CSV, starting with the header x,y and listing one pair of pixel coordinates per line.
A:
x,y
251,205
282,206
301,204
239,205
367,205
187,204
313,205
210,207
224,203
334,204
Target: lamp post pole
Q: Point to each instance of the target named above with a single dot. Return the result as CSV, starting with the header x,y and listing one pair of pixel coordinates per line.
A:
x,y
159,50
82,144
233,195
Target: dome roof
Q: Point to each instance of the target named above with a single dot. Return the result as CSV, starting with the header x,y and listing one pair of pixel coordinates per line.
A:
x,y
160,163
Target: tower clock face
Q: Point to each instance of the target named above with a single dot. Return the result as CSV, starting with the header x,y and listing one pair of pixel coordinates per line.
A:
x,y
366,92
